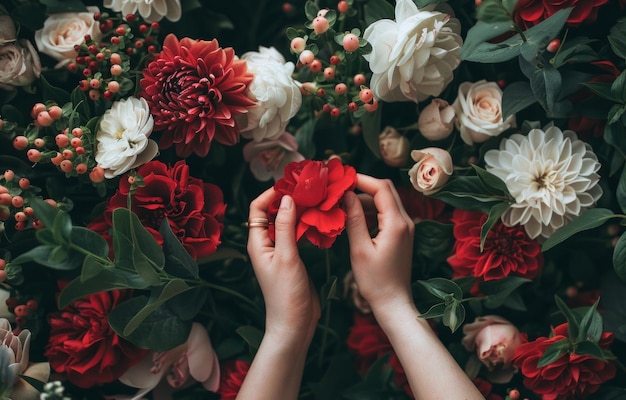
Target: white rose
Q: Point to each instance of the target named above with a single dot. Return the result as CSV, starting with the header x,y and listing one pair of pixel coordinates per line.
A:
x,y
278,95
268,157
19,64
150,10
433,166
436,120
414,56
394,147
479,111
123,137
62,31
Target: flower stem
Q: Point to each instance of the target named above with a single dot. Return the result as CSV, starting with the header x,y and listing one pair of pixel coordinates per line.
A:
x,y
320,360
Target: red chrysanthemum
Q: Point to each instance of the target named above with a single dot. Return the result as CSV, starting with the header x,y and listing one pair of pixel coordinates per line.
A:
x,y
317,189
571,376
194,209
232,374
195,90
83,346
368,343
507,250
531,12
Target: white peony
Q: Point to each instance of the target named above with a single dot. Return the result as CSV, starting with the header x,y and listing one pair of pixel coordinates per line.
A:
x,y
150,10
414,56
123,137
278,95
552,176
478,109
62,31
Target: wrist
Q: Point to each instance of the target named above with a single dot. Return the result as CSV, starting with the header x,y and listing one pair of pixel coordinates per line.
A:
x,y
287,340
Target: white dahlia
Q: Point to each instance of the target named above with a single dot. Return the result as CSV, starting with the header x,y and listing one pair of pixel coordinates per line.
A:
x,y
414,56
552,176
150,10
123,137
277,94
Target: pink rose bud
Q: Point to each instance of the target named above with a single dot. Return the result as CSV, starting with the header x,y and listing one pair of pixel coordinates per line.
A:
x,y
394,148
494,339
436,120
432,169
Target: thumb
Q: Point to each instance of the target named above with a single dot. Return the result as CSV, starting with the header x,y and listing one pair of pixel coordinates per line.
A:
x,y
358,234
285,229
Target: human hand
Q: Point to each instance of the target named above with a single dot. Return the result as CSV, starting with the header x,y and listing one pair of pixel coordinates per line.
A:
x,y
382,264
291,302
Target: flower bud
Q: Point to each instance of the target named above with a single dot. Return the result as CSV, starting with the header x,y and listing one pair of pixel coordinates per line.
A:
x,y
432,169
394,147
436,120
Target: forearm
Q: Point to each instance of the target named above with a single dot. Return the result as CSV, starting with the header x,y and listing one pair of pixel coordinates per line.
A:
x,y
431,370
276,371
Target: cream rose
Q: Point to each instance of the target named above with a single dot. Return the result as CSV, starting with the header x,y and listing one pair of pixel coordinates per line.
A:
x,y
268,157
394,147
432,169
436,120
479,112
60,32
19,64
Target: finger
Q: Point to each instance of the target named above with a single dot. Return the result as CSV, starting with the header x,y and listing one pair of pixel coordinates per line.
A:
x,y
356,227
285,228
386,202
405,215
258,237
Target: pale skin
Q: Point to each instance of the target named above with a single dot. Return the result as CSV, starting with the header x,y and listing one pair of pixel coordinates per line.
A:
x,y
382,270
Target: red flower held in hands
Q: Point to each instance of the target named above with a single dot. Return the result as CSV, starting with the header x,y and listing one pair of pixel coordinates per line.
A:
x,y
317,189
531,12
195,90
507,250
195,209
83,346
571,376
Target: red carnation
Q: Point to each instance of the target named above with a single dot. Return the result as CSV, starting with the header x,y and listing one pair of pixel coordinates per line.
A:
x,y
84,347
317,189
195,209
507,250
531,12
195,90
232,374
571,376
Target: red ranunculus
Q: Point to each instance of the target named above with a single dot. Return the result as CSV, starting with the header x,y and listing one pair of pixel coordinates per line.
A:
x,y
317,189
83,346
195,209
531,12
571,376
507,250
368,343
195,90
231,378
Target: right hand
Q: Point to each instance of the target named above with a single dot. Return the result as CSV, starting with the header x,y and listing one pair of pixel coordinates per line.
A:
x,y
382,264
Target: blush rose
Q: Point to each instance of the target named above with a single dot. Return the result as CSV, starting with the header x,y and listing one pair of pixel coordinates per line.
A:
x,y
432,169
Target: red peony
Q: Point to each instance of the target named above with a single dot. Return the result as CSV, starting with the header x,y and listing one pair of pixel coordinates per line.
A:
x,y
368,343
195,90
194,209
317,189
83,346
232,374
531,12
571,376
507,250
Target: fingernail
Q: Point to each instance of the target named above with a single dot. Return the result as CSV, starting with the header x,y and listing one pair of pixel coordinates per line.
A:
x,y
286,202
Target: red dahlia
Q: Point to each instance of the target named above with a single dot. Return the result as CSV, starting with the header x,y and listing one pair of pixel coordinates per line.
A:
x,y
507,250
195,90
317,189
571,376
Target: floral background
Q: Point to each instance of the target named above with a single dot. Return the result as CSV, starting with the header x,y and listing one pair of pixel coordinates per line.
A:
x,y
135,134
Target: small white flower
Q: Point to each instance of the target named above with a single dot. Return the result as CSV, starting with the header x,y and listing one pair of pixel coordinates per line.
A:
x,y
552,176
150,10
278,95
414,56
123,137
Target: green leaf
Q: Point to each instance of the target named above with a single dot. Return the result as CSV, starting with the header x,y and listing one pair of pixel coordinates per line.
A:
x,y
591,324
554,352
602,89
492,183
89,240
589,219
371,130
252,336
619,257
188,304
482,32
437,310
44,211
62,228
433,239
50,257
104,281
441,288
516,97
573,323
546,85
494,215
311,9
618,87
373,10
617,38
467,193
52,93
161,330
454,315
178,262
58,6
91,268
589,348
79,101
491,11
499,290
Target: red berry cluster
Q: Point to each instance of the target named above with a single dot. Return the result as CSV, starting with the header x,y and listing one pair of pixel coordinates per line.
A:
x,y
105,66
14,202
22,310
